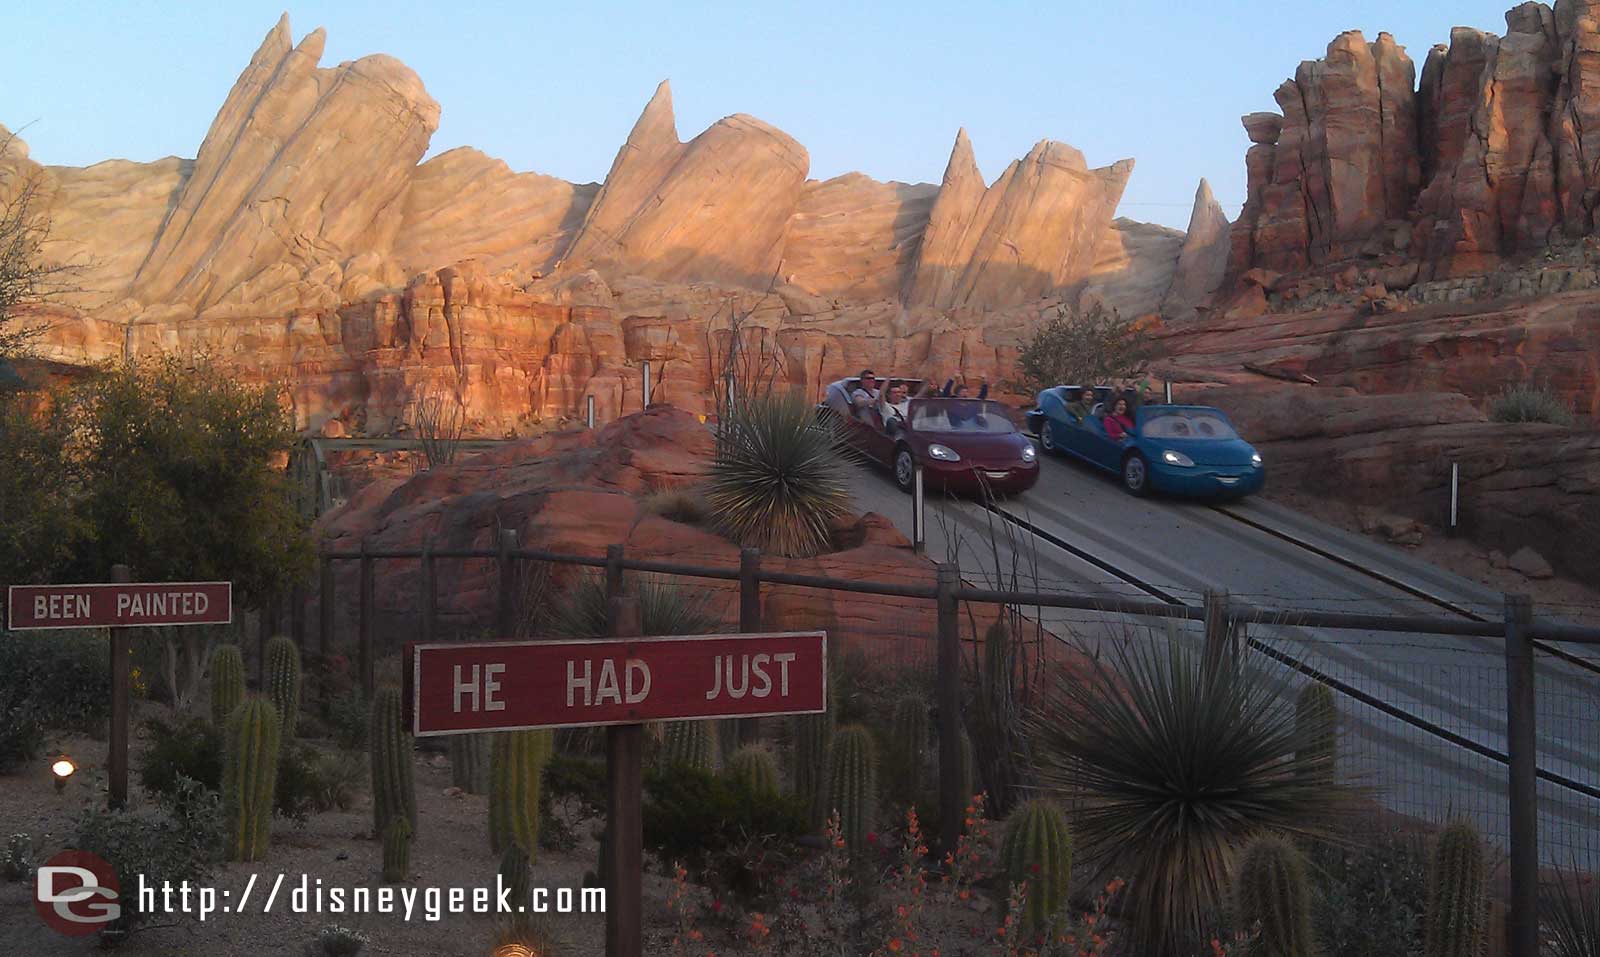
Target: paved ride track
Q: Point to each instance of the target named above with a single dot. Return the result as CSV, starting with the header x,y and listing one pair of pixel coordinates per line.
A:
x,y
1433,746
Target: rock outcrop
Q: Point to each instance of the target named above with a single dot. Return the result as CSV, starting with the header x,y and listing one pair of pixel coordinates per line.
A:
x,y
1202,260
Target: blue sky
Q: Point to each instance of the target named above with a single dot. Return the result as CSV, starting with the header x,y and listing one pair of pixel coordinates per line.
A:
x,y
877,87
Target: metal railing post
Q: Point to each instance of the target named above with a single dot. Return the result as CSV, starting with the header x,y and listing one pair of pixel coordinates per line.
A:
x,y
117,759
951,800
613,571
1522,751
325,606
426,588
367,612
506,599
588,402
1166,388
622,855
919,525
645,403
1455,496
749,619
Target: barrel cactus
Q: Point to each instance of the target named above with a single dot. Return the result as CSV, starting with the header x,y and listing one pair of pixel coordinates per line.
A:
x,y
1272,893
908,751
393,787
850,786
396,851
1316,717
755,768
693,743
282,676
227,683
1456,902
812,735
469,762
249,777
1037,850
516,768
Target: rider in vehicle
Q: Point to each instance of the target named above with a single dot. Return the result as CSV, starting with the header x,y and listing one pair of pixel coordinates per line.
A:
x,y
896,407
865,395
1118,422
1082,404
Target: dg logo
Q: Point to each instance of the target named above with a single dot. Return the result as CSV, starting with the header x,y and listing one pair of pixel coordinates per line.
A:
x,y
77,893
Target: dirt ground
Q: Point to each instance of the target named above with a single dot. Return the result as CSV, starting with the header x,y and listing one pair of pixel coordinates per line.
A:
x,y
451,850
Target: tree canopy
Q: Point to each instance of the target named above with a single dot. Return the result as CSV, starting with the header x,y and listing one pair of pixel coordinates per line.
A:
x,y
1094,346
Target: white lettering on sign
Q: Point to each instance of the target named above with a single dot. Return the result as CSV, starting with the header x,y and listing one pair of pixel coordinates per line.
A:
x,y
586,690
722,670
482,695
162,604
60,607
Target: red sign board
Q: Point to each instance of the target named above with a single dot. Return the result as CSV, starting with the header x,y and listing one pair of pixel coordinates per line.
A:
x,y
511,685
119,606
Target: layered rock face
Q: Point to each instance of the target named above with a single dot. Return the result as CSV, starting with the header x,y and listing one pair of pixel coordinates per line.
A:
x,y
306,243
1490,157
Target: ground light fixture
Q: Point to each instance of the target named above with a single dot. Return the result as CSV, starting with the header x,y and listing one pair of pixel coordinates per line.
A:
x,y
62,768
514,950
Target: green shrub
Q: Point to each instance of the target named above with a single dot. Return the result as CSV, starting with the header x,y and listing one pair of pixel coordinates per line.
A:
x,y
693,815
778,481
60,681
1370,893
347,718
186,746
313,782
577,781
182,842
1530,402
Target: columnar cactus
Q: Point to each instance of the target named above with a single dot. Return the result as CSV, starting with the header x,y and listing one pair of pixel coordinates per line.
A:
x,y
1271,892
396,851
469,762
1316,716
249,777
1456,903
1037,850
813,733
755,768
851,784
516,876
227,683
693,743
516,770
727,732
393,787
908,748
967,769
282,676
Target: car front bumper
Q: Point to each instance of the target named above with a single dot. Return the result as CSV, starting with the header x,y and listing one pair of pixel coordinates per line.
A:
x,y
966,478
1207,481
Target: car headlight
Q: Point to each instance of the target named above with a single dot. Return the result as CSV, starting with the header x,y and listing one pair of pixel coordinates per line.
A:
x,y
1255,459
1029,453
943,453
1176,458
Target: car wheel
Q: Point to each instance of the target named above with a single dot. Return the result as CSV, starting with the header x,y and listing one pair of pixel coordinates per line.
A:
x,y
1047,439
1136,474
905,469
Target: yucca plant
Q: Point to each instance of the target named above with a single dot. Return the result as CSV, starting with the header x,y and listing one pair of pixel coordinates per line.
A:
x,y
1173,768
665,608
1569,911
778,480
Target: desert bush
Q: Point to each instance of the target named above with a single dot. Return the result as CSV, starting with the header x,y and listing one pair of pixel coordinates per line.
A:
x,y
718,825
1088,347
185,747
181,842
1173,767
777,482
576,781
16,861
1371,891
38,486
1569,910
346,715
63,683
1529,402
665,608
441,420
337,941
685,505
314,782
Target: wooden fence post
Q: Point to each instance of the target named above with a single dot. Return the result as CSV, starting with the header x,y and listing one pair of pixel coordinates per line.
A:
x,y
1522,750
297,614
117,763
368,612
1221,638
325,607
749,620
951,800
614,572
624,802
506,601
426,589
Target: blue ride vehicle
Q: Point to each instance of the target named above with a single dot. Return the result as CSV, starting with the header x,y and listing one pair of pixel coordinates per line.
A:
x,y
1189,450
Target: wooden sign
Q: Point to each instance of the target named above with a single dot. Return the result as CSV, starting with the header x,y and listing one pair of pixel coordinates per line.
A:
x,y
36,607
463,687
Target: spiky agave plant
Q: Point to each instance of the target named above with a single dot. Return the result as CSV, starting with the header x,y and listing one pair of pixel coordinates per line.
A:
x,y
777,482
1173,770
665,608
1569,910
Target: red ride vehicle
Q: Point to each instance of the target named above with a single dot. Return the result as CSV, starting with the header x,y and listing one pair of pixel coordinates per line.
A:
x,y
963,445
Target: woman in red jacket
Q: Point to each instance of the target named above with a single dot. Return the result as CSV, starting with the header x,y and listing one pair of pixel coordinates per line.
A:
x,y
1118,422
